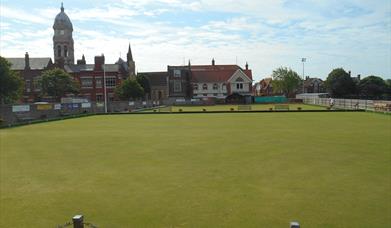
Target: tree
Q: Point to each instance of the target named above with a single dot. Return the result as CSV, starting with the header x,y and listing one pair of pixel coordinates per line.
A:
x,y
285,80
11,84
372,87
144,82
58,83
129,89
339,83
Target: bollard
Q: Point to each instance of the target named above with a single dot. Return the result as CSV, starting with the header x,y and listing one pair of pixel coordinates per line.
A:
x,y
294,225
78,221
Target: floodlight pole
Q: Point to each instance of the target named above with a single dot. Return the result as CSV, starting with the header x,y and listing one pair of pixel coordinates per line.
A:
x,y
104,86
303,60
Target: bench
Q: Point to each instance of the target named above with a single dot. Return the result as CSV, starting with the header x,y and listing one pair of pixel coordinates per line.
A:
x,y
281,107
244,108
23,117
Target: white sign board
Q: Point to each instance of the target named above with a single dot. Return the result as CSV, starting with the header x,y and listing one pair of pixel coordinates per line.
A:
x,y
180,100
57,106
144,103
131,103
20,108
86,105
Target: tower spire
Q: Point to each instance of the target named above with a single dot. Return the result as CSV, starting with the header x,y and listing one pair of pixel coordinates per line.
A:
x,y
129,55
62,7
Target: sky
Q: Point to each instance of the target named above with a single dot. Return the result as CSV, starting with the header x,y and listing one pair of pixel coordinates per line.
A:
x,y
352,34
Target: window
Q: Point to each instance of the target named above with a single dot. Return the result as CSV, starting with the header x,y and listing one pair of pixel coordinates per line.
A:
x,y
98,82
195,87
58,50
177,86
86,82
224,86
204,87
65,51
160,96
36,84
215,94
28,86
99,97
215,86
239,86
177,73
205,95
110,82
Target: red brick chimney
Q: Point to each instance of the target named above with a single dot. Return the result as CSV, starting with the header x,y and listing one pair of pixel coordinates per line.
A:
x,y
99,61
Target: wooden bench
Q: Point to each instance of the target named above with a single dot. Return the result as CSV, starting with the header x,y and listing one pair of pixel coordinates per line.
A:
x,y
244,108
281,107
23,116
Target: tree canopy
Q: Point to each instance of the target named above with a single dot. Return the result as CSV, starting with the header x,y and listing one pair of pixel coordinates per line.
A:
x,y
11,84
58,83
144,82
372,87
129,89
340,84
285,80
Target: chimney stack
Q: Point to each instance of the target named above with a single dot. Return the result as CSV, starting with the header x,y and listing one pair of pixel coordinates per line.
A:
x,y
99,61
359,77
26,61
350,73
213,62
246,65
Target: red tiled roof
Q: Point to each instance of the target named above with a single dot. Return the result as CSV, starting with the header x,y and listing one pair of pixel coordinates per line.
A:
x,y
216,73
212,76
215,67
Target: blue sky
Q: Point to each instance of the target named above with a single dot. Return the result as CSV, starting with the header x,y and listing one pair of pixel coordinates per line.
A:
x,y
353,34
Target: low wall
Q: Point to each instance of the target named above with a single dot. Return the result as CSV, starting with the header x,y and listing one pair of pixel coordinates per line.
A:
x,y
20,113
351,104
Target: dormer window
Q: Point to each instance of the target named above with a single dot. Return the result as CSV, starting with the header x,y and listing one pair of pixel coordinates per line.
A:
x,y
195,87
215,86
204,87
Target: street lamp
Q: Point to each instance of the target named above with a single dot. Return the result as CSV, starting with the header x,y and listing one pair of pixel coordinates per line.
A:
x,y
303,60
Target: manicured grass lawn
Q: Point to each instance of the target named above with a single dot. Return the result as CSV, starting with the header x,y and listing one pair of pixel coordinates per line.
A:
x,y
199,170
254,107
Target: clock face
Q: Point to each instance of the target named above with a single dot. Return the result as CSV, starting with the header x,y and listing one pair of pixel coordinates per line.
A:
x,y
62,32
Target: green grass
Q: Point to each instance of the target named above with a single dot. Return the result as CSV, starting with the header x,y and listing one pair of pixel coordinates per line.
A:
x,y
254,107
199,170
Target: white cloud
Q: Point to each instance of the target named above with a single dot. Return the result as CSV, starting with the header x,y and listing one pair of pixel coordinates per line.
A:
x,y
267,34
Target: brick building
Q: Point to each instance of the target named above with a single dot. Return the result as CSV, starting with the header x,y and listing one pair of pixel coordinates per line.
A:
x,y
90,76
208,81
30,70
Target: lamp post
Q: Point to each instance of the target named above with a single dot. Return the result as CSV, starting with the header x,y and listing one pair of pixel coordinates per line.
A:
x,y
104,86
303,60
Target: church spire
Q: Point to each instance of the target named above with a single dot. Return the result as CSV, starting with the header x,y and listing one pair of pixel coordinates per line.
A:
x,y
129,55
62,7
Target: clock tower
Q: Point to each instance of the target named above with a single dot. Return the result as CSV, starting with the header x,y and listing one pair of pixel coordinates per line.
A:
x,y
62,39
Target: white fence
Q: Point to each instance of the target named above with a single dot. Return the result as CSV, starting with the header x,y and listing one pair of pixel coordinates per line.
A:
x,y
351,104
